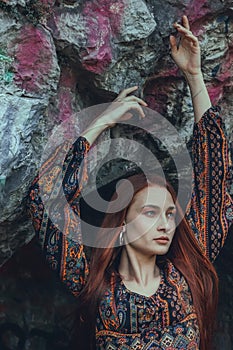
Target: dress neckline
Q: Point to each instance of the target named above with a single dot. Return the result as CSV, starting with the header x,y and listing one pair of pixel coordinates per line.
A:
x,y
136,294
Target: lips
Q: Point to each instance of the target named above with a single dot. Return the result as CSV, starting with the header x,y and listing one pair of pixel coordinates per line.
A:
x,y
162,240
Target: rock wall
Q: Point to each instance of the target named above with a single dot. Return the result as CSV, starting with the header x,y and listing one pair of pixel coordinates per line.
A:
x,y
58,57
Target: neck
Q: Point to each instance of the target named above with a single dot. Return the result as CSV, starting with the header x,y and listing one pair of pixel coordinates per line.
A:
x,y
137,267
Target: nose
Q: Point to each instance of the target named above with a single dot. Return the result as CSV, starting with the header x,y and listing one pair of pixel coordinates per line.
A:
x,y
163,223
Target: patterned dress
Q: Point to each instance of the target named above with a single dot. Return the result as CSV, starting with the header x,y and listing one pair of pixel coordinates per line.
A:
x,y
126,319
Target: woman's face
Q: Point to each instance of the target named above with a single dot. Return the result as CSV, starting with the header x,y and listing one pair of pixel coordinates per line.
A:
x,y
150,221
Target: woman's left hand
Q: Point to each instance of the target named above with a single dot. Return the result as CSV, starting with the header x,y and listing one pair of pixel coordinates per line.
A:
x,y
186,53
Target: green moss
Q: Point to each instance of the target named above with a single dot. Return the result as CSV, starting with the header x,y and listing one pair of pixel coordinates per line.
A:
x,y
6,75
4,57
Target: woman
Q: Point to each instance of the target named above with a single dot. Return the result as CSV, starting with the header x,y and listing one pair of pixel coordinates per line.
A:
x,y
153,286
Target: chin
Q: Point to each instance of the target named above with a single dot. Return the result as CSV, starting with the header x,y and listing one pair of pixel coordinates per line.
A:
x,y
162,251
157,251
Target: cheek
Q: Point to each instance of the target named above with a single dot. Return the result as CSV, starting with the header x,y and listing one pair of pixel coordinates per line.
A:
x,y
172,224
140,223
173,232
136,227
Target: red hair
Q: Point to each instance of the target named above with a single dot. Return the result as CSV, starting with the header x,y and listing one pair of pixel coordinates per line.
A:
x,y
184,253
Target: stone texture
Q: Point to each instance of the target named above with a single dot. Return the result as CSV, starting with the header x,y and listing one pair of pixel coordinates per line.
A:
x,y
29,77
35,62
59,57
137,22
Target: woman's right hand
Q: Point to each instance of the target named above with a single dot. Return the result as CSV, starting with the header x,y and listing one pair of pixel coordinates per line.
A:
x,y
121,108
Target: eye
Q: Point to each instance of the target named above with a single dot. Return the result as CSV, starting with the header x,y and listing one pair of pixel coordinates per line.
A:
x,y
171,215
150,213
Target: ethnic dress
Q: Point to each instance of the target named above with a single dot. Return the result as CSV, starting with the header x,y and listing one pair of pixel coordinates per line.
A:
x,y
125,319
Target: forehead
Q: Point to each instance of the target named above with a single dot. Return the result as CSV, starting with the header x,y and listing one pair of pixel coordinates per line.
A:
x,y
153,195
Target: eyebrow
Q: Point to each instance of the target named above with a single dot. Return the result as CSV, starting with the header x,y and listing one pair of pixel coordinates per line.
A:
x,y
172,207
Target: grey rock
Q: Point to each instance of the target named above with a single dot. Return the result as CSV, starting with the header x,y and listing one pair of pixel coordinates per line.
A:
x,y
137,22
22,123
70,30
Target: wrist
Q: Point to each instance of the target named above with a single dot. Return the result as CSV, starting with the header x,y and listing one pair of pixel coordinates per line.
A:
x,y
100,122
192,78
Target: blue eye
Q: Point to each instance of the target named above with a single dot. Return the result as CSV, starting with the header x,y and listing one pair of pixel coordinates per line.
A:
x,y
150,213
171,215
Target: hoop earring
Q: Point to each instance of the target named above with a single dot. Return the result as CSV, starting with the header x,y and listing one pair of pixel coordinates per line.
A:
x,y
121,236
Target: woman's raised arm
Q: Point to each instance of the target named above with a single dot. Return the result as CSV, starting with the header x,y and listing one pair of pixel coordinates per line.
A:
x,y
54,211
210,211
187,55
53,199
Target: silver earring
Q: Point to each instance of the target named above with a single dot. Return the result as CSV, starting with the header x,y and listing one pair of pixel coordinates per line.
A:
x,y
121,236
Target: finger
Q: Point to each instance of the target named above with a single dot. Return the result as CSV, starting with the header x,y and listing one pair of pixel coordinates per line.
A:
x,y
193,38
181,29
122,111
138,109
184,31
127,91
130,111
173,44
134,107
127,116
135,99
185,22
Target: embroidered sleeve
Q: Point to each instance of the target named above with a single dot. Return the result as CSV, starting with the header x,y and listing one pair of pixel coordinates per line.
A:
x,y
54,208
210,211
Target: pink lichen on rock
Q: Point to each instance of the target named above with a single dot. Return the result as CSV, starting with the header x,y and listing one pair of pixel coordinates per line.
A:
x,y
156,94
224,78
33,59
197,9
215,93
226,69
159,87
103,20
67,86
47,2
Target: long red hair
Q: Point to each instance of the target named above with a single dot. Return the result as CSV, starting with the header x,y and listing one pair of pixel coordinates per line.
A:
x,y
184,253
